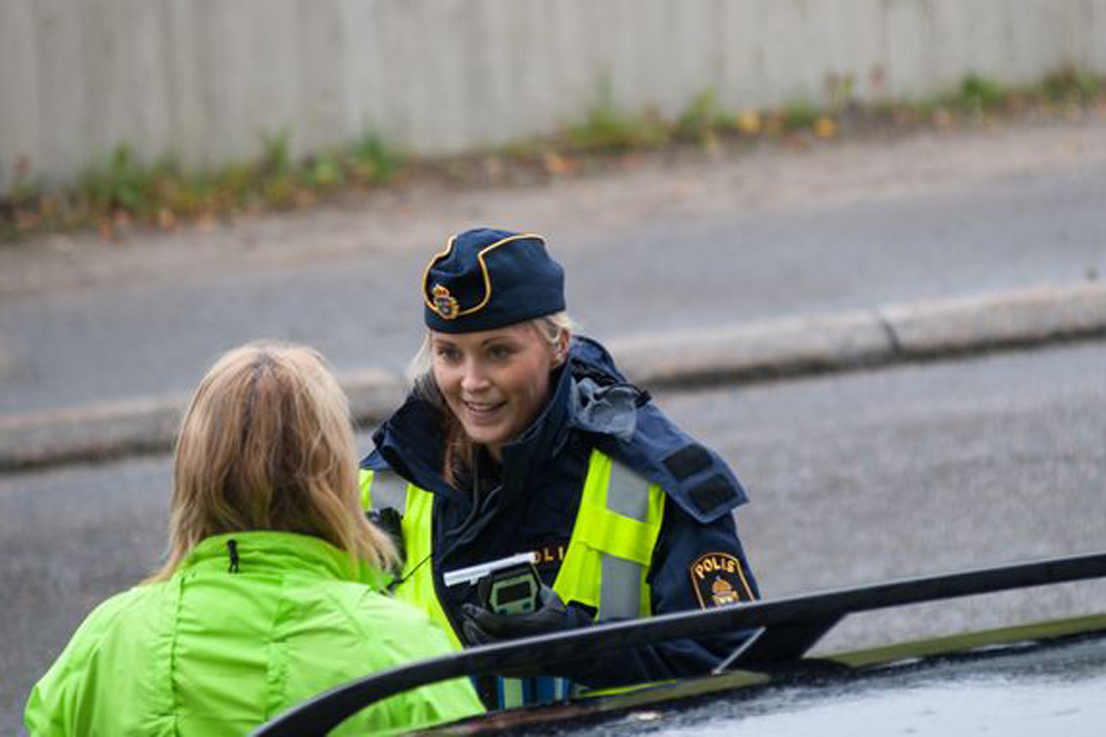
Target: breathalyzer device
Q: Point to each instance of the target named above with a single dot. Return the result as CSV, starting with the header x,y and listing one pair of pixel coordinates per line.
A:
x,y
506,586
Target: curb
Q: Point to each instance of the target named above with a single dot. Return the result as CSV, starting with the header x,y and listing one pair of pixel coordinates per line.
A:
x,y
848,340
739,353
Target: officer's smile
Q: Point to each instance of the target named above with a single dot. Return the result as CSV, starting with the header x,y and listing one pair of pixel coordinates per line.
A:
x,y
483,412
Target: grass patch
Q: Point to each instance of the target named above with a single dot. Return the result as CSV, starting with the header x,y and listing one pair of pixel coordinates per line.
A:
x,y
799,115
979,94
608,129
120,191
701,122
1070,85
373,161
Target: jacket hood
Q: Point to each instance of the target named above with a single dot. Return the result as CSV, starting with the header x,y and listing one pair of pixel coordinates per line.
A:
x,y
627,426
411,442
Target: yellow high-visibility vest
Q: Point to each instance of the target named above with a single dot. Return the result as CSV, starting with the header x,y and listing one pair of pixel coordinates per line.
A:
x,y
605,565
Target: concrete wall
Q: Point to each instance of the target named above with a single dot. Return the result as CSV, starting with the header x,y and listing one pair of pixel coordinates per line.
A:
x,y
206,79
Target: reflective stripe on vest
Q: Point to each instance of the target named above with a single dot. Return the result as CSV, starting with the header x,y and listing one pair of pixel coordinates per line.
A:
x,y
382,489
608,556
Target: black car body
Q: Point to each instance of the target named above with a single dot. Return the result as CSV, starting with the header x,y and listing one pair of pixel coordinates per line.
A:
x,y
1050,674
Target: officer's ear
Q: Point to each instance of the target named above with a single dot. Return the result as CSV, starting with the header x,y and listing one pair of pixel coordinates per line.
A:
x,y
560,350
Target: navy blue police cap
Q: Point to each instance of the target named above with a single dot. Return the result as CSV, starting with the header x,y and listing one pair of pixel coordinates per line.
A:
x,y
487,279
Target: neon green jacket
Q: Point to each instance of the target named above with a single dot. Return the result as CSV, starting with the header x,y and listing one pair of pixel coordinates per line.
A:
x,y
216,652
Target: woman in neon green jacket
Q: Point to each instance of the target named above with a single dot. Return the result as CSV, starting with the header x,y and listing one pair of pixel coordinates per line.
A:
x,y
270,591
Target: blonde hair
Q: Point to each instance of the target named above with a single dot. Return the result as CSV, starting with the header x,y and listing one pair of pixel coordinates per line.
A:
x,y
458,451
266,444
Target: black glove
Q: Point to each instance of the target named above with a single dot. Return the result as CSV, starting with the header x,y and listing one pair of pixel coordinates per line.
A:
x,y
482,627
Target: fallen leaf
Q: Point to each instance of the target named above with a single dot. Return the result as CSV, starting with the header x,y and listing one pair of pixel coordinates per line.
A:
x,y
825,128
749,122
554,163
166,219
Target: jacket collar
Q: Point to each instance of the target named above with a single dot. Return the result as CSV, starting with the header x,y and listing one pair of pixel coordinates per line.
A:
x,y
410,442
272,551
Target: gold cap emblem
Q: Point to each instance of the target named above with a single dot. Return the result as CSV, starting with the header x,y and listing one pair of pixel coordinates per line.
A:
x,y
444,303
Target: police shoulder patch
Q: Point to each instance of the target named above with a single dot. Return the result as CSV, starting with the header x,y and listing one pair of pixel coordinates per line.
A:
x,y
718,580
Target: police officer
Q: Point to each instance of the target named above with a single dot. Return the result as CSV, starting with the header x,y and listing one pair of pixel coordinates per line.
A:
x,y
521,437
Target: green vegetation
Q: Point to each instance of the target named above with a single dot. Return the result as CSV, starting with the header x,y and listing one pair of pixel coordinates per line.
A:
x,y
701,122
1072,86
799,115
606,129
373,161
122,192
979,94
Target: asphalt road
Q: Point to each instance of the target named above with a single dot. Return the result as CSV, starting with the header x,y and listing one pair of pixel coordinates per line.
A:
x,y
920,469
854,478
687,244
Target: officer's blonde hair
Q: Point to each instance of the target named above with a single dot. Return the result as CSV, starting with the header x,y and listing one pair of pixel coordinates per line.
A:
x,y
266,444
458,451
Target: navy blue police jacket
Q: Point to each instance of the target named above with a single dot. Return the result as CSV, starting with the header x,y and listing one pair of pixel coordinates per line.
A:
x,y
533,505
